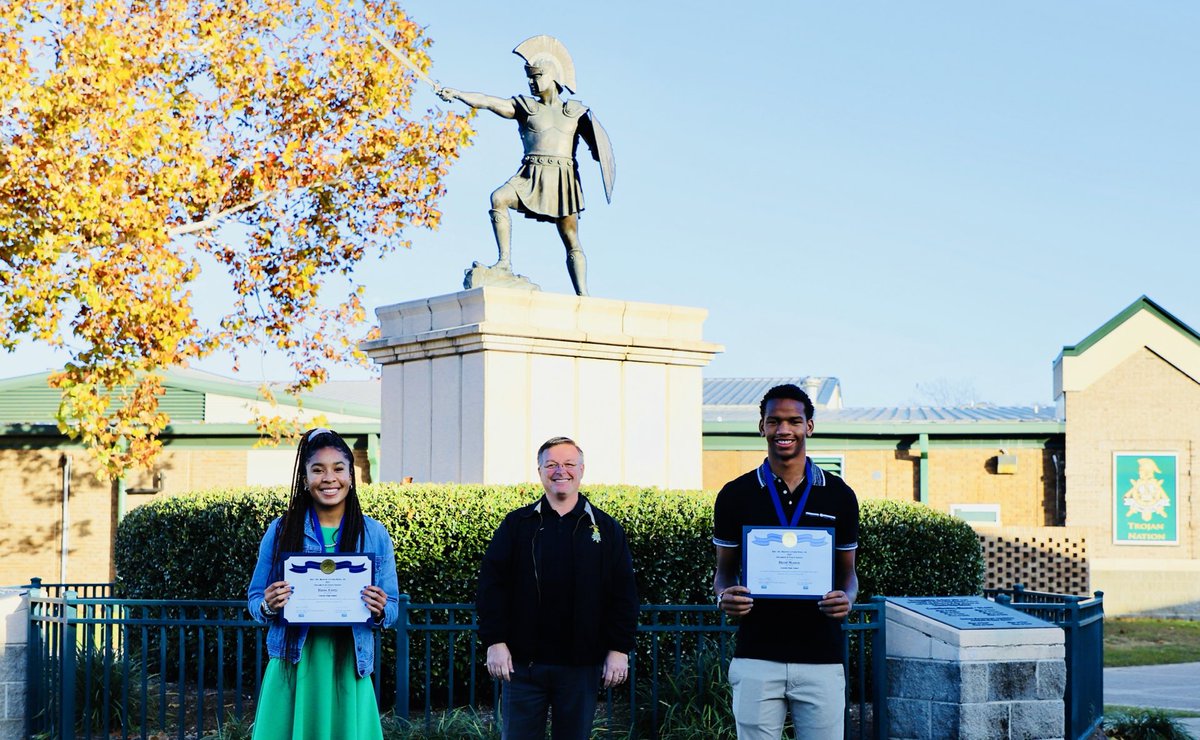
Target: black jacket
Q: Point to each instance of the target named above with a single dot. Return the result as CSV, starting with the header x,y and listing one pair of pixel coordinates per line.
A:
x,y
605,598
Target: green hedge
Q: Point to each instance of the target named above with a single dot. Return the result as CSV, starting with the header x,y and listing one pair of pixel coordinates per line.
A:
x,y
906,549
203,546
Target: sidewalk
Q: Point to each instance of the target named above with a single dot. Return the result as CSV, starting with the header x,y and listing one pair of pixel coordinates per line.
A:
x,y
1173,686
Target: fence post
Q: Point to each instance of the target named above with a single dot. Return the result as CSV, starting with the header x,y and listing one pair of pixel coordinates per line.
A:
x,y
66,659
33,651
1074,664
402,677
879,668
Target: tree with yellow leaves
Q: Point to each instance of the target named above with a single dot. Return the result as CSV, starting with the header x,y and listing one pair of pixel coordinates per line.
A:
x,y
143,141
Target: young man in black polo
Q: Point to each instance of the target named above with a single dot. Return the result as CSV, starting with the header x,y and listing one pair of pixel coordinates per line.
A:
x,y
789,651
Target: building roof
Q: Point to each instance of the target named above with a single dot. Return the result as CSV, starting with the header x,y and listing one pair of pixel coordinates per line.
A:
x,y
733,392
189,394
1141,304
731,407
948,414
1143,325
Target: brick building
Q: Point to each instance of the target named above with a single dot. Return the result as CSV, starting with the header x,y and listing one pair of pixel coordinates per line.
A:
x,y
211,443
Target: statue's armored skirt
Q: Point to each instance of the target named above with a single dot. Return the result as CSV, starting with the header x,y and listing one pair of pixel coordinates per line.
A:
x,y
547,187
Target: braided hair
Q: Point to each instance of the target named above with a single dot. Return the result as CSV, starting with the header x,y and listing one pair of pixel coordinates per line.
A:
x,y
290,534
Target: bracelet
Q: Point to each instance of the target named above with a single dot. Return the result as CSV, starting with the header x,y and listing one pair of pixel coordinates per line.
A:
x,y
266,609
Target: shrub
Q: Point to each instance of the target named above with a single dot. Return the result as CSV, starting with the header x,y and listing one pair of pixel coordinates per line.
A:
x,y
204,546
1143,724
201,546
907,549
695,702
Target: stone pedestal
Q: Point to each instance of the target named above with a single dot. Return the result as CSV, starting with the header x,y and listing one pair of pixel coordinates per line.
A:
x,y
14,617
474,382
992,676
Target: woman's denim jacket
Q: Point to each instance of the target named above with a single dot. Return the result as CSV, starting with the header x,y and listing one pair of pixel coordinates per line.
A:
x,y
375,540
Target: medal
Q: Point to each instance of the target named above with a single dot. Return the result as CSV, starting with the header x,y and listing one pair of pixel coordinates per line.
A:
x,y
769,477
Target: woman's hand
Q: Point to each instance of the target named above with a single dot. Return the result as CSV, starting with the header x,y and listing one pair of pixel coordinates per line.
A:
x,y
277,594
376,600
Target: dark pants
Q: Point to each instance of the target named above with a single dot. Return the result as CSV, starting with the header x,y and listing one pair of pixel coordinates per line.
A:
x,y
568,691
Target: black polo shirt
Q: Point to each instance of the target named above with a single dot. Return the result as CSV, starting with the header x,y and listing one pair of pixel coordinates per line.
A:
x,y
554,558
787,630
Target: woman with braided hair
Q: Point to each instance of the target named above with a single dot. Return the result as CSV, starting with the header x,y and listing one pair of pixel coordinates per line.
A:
x,y
317,685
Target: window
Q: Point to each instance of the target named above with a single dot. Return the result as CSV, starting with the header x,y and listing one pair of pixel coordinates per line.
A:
x,y
977,513
832,463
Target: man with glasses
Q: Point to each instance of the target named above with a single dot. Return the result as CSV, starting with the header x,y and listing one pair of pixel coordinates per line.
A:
x,y
557,604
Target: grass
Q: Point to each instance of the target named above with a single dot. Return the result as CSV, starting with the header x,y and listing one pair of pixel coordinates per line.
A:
x,y
1132,641
1111,709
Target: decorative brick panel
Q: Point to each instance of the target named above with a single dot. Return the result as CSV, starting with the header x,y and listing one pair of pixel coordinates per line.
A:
x,y
1051,559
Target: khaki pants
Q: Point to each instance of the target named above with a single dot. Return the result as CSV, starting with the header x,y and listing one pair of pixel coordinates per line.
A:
x,y
764,691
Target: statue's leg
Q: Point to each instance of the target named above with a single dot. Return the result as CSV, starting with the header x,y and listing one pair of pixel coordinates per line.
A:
x,y
568,229
504,198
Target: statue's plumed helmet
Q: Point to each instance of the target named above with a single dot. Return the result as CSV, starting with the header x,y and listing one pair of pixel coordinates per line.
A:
x,y
547,55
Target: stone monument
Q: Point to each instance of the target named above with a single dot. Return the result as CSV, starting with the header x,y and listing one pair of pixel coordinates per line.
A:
x,y
963,666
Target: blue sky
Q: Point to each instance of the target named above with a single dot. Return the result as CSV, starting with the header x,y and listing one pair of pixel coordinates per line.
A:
x,y
890,193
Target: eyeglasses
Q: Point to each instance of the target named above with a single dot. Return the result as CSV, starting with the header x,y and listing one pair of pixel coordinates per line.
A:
x,y
552,467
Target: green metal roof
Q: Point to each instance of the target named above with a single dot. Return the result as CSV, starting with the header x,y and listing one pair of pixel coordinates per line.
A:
x,y
1141,304
903,429
29,400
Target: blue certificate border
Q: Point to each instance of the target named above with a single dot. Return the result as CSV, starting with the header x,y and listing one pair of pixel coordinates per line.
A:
x,y
745,554
370,621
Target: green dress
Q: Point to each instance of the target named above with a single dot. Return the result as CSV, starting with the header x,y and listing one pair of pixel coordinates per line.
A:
x,y
320,698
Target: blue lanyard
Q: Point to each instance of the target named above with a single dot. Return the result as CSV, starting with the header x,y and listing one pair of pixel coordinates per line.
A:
x,y
312,513
769,477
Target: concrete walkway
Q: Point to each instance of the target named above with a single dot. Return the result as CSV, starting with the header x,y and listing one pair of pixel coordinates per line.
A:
x,y
1173,686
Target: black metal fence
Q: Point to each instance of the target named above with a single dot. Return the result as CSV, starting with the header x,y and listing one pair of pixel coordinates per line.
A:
x,y
109,667
1082,622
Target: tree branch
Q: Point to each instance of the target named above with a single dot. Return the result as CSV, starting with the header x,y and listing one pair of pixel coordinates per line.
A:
x,y
212,221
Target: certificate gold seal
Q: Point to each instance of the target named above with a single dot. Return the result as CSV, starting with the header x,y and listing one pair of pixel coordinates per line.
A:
x,y
789,539
327,565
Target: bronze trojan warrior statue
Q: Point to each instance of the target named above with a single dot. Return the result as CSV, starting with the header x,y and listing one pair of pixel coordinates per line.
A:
x,y
546,187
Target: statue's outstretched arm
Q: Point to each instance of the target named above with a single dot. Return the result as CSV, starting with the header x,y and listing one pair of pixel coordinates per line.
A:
x,y
502,107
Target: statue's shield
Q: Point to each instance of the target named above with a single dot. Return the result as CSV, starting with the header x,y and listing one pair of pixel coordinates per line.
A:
x,y
604,155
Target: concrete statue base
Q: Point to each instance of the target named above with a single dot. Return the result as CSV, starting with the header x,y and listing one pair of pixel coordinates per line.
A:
x,y
481,275
474,382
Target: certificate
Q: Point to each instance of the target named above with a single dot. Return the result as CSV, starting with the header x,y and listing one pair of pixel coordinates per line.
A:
x,y
327,587
787,562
